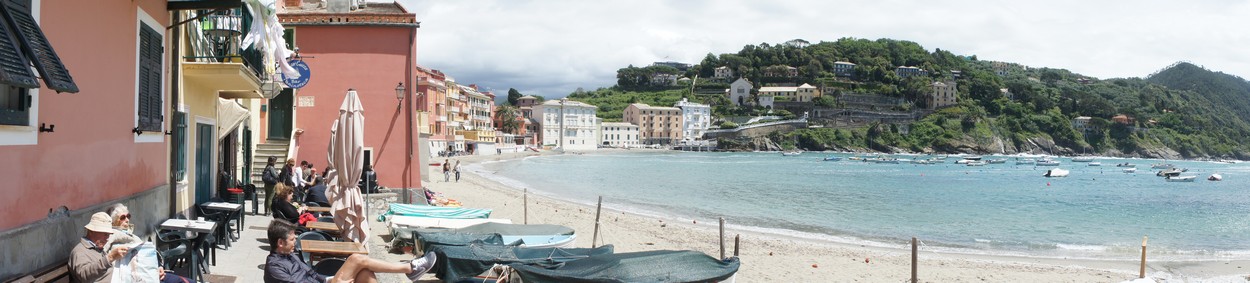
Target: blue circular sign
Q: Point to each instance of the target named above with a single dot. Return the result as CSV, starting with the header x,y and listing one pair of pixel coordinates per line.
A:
x,y
304,74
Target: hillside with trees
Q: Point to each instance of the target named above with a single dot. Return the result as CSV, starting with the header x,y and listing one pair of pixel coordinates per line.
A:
x,y
1181,111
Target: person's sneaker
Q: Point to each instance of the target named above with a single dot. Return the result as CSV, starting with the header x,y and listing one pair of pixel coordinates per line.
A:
x,y
421,265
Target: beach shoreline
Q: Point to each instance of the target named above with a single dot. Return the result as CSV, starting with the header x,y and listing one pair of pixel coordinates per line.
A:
x,y
771,257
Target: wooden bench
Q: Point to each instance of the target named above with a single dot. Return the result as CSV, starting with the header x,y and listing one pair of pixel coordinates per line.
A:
x,y
57,273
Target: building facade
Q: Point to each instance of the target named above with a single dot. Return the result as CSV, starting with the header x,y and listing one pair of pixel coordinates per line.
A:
x,y
568,124
371,50
619,134
696,118
943,94
656,125
909,71
723,72
740,92
843,69
804,93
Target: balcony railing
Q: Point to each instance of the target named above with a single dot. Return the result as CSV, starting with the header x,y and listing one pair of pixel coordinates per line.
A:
x,y
218,39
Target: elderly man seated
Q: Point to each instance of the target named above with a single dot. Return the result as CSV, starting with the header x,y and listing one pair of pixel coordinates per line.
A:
x,y
283,266
89,263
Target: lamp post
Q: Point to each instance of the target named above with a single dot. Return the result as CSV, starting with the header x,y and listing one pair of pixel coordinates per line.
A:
x,y
400,94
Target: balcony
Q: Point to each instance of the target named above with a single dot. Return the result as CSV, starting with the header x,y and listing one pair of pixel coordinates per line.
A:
x,y
216,59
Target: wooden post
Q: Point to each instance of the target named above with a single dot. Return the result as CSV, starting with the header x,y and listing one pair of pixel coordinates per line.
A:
x,y
598,209
1143,258
736,244
722,237
913,260
526,205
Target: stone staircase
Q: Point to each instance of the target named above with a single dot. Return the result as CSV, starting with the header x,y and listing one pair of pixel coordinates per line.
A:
x,y
275,148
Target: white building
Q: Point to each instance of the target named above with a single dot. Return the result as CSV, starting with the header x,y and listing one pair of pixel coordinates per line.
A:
x,y
568,122
740,92
723,72
696,119
766,100
619,134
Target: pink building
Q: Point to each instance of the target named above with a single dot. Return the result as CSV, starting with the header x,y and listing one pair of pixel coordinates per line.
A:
x,y
372,50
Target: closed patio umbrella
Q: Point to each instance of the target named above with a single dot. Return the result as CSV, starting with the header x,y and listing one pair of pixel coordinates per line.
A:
x,y
346,158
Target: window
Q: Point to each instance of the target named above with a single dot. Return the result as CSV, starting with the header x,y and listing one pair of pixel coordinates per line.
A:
x,y
22,44
151,54
15,105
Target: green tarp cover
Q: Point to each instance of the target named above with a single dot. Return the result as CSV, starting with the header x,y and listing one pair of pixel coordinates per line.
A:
x,y
515,229
648,266
460,262
438,211
428,239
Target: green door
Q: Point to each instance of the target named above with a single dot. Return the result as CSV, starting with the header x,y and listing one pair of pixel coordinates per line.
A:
x,y
280,115
203,162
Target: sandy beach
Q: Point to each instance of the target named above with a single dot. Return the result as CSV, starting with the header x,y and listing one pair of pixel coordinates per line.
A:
x,y
778,258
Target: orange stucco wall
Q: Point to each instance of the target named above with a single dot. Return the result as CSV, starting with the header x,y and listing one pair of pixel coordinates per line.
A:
x,y
92,156
372,60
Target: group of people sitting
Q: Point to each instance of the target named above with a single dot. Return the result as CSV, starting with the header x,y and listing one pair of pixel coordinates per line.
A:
x,y
109,238
283,266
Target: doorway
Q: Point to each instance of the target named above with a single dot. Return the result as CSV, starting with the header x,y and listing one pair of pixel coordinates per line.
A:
x,y
203,162
280,115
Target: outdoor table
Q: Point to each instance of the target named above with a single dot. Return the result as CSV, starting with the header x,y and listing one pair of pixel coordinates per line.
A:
x,y
331,248
317,209
230,207
202,228
325,226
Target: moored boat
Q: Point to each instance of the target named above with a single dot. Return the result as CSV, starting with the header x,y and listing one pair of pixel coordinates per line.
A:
x,y
1130,170
790,153
1181,178
976,163
997,161
833,158
1047,162
1170,172
1083,159
1057,172
1161,166
1025,161
1126,164
1095,164
1215,177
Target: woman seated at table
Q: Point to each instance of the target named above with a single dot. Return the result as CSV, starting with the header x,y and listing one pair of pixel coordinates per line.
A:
x,y
282,205
282,265
124,236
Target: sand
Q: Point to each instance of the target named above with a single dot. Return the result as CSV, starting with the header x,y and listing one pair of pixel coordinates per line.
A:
x,y
777,258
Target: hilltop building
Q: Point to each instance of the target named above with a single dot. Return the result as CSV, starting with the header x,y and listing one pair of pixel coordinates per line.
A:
x,y
909,71
843,69
803,93
739,92
943,94
723,72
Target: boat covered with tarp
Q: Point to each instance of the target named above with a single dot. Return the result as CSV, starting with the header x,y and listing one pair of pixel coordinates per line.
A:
x,y
527,235
647,266
457,263
437,211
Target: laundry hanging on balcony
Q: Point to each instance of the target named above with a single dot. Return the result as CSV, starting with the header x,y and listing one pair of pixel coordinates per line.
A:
x,y
266,36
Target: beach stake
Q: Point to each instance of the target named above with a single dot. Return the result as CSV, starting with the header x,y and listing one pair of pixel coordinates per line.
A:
x,y
1143,258
913,260
598,209
722,237
526,205
736,244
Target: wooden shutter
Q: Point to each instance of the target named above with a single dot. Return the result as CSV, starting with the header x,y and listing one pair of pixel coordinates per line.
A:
x,y
14,67
37,47
151,51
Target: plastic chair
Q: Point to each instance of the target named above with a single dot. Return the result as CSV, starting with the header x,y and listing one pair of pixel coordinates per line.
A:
x,y
328,267
173,246
307,236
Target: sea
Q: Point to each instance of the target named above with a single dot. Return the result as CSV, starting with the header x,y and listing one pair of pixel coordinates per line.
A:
x,y
1097,212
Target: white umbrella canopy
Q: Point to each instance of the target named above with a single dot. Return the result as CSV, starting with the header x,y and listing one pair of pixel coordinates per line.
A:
x,y
346,158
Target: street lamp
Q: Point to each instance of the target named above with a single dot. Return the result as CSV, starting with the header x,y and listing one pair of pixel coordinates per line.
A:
x,y
400,92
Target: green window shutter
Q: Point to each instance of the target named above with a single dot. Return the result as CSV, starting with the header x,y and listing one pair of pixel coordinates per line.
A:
x,y
151,51
14,67
37,48
180,145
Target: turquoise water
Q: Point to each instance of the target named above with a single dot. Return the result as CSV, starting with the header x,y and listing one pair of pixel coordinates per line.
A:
x,y
1096,212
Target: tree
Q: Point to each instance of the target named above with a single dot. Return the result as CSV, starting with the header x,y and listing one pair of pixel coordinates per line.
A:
x,y
507,118
513,96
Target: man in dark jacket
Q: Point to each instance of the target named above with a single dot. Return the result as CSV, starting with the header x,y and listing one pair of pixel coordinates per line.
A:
x,y
317,192
270,177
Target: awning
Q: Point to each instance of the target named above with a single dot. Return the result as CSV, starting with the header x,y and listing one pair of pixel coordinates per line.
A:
x,y
229,116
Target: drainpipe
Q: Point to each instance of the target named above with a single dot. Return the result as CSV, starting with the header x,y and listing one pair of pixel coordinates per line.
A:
x,y
408,102
173,106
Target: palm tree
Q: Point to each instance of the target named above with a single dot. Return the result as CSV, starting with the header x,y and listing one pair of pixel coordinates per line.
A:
x,y
507,118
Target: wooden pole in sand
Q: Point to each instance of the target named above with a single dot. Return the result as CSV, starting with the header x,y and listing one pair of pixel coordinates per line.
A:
x,y
598,209
526,205
913,260
722,237
736,244
1142,274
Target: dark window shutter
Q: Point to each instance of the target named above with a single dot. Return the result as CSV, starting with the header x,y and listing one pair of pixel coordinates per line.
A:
x,y
180,145
14,68
38,49
151,51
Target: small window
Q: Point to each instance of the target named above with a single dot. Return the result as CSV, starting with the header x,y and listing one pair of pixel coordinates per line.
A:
x,y
15,105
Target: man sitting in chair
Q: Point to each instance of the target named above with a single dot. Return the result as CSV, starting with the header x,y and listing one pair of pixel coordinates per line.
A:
x,y
283,265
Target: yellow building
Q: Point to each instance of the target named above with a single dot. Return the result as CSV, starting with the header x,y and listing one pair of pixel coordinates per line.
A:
x,y
656,125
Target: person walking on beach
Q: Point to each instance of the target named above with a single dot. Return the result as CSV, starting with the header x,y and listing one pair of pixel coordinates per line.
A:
x,y
457,170
446,170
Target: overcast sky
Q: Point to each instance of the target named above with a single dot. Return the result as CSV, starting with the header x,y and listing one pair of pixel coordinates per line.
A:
x,y
551,48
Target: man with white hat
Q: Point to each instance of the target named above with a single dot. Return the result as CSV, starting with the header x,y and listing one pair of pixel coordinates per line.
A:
x,y
88,262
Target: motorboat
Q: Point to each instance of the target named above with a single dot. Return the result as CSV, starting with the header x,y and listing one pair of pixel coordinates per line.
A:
x,y
1047,162
1083,159
1161,166
833,158
976,163
1215,177
1181,178
1057,172
885,160
997,161
1095,164
968,159
790,153
1025,161
922,161
1126,164
1130,170
1170,172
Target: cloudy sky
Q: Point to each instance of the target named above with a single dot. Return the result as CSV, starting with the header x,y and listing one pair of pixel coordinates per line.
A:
x,y
551,48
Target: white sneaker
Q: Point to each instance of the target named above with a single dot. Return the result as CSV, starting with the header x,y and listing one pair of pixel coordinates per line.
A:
x,y
422,265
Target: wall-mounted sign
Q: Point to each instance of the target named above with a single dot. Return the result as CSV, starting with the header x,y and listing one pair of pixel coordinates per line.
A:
x,y
306,101
304,74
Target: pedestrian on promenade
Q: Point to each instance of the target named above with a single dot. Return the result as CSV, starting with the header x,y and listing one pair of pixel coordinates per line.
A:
x,y
270,177
457,169
446,170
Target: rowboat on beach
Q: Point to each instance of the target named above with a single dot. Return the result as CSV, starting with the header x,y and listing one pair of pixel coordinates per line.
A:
x,y
646,266
437,211
524,235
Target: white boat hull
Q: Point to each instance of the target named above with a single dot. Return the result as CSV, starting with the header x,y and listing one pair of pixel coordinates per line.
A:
x,y
1182,179
1056,173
